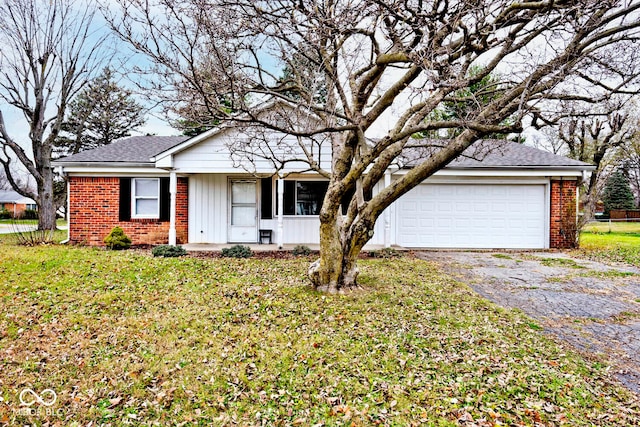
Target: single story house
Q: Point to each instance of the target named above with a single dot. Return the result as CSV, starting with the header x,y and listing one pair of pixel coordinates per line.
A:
x,y
182,190
15,203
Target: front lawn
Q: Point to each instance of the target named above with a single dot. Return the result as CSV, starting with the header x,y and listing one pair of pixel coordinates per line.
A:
x,y
622,244
124,338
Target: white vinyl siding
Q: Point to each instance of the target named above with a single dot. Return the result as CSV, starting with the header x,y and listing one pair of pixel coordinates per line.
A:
x,y
214,155
208,208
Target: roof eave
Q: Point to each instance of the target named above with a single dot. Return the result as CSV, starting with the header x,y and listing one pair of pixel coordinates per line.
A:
x,y
104,164
532,167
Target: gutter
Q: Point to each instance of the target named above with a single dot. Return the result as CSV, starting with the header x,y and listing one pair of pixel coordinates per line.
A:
x,y
523,167
103,164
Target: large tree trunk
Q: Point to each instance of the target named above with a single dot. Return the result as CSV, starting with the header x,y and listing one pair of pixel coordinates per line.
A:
x,y
336,269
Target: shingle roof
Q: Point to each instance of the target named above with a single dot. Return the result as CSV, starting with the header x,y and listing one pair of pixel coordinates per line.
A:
x,y
493,154
136,149
483,154
10,196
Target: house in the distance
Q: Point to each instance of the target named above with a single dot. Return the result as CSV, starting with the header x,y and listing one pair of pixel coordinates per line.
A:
x,y
15,204
198,190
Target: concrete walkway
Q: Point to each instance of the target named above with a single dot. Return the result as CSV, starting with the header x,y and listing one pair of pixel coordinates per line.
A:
x,y
592,306
13,228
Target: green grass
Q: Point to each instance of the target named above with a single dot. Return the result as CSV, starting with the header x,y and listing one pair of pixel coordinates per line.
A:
x,y
560,262
124,338
613,227
619,246
59,222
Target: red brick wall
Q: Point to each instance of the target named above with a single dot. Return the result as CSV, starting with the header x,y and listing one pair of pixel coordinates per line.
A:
x,y
563,227
15,209
94,211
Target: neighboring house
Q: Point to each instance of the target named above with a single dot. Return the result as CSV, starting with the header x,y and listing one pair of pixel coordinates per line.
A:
x,y
15,203
197,190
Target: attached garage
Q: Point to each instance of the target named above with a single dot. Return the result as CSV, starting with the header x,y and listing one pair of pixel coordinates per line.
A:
x,y
473,216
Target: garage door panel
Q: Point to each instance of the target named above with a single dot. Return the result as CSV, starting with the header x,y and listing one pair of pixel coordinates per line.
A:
x,y
472,216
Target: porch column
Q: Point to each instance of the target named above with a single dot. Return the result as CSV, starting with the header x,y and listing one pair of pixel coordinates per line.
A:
x,y
173,188
387,215
280,239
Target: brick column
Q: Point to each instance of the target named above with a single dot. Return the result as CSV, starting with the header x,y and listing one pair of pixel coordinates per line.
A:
x,y
563,226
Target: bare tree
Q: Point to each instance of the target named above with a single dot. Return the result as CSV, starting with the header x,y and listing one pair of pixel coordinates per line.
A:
x,y
630,161
383,65
594,134
4,182
49,50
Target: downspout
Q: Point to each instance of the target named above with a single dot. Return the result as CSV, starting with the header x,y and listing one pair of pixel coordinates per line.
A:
x,y
563,233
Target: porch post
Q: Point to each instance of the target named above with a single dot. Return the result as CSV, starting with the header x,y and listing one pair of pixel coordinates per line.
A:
x,y
173,188
280,239
387,215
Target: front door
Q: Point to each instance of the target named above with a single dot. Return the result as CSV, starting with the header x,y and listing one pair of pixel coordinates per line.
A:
x,y
243,218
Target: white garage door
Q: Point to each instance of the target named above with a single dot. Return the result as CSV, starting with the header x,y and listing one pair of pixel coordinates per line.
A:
x,y
472,216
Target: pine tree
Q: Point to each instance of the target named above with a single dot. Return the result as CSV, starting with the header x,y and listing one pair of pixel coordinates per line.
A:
x,y
617,193
100,114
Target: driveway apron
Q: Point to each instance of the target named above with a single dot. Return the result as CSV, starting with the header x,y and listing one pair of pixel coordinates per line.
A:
x,y
593,307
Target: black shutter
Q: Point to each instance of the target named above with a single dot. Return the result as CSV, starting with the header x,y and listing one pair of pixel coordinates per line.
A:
x,y
165,200
289,198
266,198
125,199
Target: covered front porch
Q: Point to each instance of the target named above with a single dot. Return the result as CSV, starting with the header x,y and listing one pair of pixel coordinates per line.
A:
x,y
265,212
256,247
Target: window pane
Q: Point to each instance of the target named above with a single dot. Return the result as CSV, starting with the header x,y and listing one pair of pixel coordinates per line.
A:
x,y
147,207
146,187
243,215
309,196
243,192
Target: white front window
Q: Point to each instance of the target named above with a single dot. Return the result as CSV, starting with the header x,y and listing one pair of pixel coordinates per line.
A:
x,y
145,198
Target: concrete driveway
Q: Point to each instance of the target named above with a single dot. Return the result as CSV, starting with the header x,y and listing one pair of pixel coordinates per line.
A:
x,y
592,306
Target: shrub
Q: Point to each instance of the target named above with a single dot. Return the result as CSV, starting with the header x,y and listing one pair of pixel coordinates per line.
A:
x,y
237,251
5,214
168,251
301,250
117,240
29,214
28,234
386,253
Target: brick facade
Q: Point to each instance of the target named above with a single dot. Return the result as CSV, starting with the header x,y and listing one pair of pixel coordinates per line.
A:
x,y
563,226
94,203
93,208
15,209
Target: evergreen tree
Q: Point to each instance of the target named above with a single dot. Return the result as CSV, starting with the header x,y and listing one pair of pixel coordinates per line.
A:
x,y
463,103
617,193
100,114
